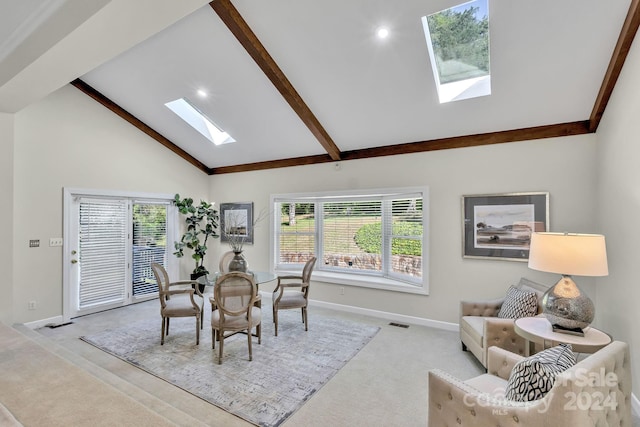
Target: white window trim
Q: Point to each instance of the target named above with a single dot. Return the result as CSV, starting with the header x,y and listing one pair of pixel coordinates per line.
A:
x,y
362,279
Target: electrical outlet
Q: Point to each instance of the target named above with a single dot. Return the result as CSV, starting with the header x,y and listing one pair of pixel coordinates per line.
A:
x,y
31,305
35,243
55,241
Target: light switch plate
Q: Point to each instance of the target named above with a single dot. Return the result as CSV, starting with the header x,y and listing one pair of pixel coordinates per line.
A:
x,y
55,241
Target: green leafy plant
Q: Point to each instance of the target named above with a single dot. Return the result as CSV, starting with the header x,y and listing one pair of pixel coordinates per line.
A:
x,y
202,224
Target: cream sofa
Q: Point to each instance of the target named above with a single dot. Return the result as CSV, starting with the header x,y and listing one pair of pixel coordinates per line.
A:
x,y
594,392
481,329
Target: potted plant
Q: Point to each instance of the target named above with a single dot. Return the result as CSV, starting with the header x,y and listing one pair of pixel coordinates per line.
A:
x,y
202,223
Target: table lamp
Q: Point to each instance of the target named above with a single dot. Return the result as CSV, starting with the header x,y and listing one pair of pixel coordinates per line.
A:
x,y
565,305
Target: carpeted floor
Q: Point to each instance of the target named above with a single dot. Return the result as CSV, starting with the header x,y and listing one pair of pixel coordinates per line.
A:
x,y
285,372
38,388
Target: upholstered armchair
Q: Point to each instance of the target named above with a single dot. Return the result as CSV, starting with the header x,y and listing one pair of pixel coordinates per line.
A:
x,y
235,295
481,328
293,292
594,392
178,301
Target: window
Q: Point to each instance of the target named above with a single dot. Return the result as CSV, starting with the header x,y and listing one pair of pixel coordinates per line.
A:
x,y
200,122
374,238
458,44
149,244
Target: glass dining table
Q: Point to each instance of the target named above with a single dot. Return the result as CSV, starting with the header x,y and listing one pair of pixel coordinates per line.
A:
x,y
258,276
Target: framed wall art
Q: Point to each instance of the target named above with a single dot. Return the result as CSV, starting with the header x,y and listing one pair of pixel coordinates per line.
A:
x,y
499,226
236,221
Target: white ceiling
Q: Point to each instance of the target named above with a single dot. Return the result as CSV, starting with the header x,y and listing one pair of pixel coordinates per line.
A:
x,y
548,61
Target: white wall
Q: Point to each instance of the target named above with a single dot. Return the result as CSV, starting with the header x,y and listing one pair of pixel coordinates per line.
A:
x,y
562,166
619,208
6,216
69,140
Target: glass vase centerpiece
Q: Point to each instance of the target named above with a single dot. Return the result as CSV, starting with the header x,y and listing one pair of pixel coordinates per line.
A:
x,y
236,243
237,229
236,232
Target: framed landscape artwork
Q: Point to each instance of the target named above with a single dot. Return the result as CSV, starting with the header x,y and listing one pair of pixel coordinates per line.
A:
x,y
499,226
236,219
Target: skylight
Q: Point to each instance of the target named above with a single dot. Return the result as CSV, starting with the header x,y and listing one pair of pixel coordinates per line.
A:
x,y
458,43
190,114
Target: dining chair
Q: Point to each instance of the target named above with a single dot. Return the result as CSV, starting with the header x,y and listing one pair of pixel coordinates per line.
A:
x,y
296,294
178,302
225,259
235,295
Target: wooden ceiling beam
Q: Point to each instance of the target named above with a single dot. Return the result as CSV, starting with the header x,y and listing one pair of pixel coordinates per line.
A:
x,y
515,135
272,164
627,34
115,108
247,38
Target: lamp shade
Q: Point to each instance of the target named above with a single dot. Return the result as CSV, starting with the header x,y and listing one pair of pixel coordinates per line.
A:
x,y
569,254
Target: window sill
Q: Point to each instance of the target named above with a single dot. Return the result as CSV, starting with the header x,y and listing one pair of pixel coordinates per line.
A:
x,y
363,281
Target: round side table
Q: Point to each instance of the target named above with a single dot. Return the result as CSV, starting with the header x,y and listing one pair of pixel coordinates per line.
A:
x,y
537,330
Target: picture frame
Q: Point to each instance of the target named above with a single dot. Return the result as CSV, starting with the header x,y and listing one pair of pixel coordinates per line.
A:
x,y
236,218
499,226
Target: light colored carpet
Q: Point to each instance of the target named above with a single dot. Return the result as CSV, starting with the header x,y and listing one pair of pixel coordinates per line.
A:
x,y
285,372
39,388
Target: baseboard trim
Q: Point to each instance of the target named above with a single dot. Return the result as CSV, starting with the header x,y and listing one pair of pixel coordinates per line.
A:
x,y
447,326
57,320
635,405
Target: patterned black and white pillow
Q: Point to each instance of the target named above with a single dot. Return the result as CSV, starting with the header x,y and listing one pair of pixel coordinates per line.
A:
x,y
518,303
533,377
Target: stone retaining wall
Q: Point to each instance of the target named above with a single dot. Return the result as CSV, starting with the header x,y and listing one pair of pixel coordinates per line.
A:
x,y
407,264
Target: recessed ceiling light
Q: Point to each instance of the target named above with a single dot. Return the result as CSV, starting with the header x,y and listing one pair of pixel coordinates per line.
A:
x,y
382,32
202,93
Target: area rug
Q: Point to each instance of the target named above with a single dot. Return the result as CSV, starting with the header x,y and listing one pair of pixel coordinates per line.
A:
x,y
285,372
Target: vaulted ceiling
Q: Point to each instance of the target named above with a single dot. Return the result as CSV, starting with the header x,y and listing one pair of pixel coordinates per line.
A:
x,y
302,81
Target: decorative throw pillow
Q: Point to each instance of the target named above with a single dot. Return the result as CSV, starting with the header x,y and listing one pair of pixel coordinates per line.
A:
x,y
518,303
533,377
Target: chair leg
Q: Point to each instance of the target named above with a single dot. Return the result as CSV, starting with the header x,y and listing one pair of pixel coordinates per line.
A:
x,y
164,319
201,319
304,318
167,331
197,329
275,321
213,338
249,340
259,332
221,338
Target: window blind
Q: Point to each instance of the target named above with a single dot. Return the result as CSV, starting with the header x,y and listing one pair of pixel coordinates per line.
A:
x,y
352,234
297,232
378,232
102,252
